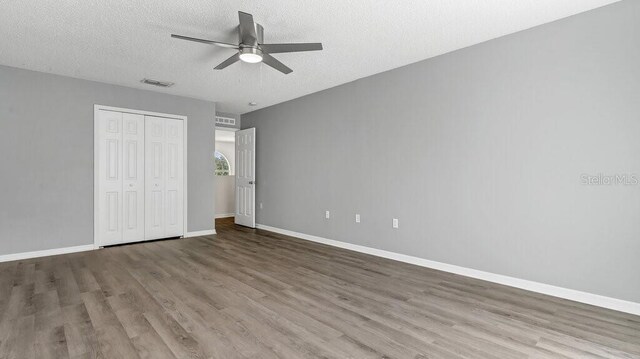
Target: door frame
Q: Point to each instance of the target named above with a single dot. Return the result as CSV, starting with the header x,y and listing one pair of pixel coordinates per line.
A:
x,y
215,183
96,109
226,129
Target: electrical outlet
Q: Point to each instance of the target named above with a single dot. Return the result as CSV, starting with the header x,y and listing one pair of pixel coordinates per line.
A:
x,y
395,223
357,218
327,214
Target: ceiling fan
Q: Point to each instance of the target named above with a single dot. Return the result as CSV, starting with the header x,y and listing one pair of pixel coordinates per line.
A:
x,y
251,48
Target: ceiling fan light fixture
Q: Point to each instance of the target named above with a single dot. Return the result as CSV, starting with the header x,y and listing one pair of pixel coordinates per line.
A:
x,y
250,55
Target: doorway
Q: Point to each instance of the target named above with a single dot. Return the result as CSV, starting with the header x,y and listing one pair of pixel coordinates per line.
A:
x,y
225,172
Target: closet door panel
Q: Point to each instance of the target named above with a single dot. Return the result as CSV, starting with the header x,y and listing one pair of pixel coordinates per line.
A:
x,y
133,177
155,177
174,193
109,178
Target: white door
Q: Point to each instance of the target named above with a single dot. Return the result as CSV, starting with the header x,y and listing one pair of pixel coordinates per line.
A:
x,y
109,177
164,178
154,177
245,177
174,197
139,176
132,177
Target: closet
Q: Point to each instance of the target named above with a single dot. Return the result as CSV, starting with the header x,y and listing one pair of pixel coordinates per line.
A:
x,y
139,173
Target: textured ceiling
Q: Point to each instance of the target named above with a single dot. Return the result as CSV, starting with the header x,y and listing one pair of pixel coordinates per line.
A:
x,y
123,41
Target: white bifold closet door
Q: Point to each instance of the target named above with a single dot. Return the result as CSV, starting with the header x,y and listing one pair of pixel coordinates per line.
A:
x,y
140,169
164,177
121,177
132,177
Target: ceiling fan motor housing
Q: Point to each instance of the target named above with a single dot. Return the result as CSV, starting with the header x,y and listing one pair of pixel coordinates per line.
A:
x,y
259,35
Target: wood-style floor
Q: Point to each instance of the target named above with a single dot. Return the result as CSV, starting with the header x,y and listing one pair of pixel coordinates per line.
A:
x,y
253,294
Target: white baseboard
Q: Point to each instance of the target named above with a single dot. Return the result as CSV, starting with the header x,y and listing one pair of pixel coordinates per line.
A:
x,y
225,215
45,253
83,248
560,292
207,232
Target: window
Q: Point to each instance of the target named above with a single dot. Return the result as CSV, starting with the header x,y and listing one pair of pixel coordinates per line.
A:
x,y
222,165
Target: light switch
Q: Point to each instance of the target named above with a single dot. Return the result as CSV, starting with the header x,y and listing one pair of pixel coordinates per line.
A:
x,y
395,223
357,218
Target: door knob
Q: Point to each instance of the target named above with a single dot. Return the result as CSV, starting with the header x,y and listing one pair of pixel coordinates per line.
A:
x,y
130,184
252,182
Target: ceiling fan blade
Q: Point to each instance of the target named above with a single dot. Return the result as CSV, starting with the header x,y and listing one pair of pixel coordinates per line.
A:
x,y
279,48
229,61
209,42
247,28
273,62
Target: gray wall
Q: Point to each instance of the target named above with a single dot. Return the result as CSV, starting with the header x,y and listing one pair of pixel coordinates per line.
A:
x,y
225,195
46,147
479,154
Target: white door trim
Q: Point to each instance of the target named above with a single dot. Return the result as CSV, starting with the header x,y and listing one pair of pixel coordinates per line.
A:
x,y
97,108
229,129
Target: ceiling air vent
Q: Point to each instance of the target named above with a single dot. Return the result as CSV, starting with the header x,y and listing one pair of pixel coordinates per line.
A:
x,y
227,121
157,83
